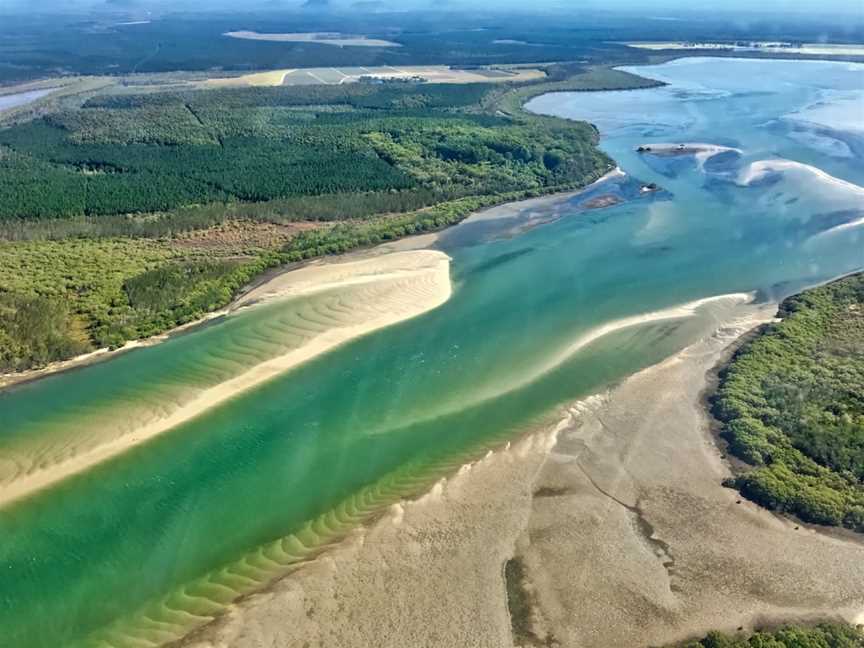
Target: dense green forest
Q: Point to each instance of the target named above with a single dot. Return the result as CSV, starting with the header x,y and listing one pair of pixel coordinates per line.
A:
x,y
95,201
826,635
158,152
36,45
792,406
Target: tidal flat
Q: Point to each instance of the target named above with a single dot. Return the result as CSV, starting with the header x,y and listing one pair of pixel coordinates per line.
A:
x,y
241,496
616,517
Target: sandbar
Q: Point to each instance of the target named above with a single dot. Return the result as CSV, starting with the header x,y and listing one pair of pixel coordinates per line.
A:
x,y
377,292
762,168
618,516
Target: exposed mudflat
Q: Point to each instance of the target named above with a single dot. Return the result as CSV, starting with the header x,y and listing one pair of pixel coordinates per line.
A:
x,y
618,517
427,574
647,548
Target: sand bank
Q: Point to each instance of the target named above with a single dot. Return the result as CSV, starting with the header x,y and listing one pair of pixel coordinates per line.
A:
x,y
701,152
513,209
851,225
840,113
428,574
557,358
761,169
540,210
374,293
406,244
626,536
642,546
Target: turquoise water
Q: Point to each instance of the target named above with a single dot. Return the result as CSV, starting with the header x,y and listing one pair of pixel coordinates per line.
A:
x,y
148,545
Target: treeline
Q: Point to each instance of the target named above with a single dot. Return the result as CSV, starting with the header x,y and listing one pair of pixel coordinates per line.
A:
x,y
564,77
177,293
320,208
826,635
355,95
60,299
71,296
792,406
348,236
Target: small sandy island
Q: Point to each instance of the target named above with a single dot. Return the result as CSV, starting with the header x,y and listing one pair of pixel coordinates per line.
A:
x,y
617,519
700,151
761,169
373,293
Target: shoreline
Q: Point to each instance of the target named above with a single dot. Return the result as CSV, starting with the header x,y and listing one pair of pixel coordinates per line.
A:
x,y
9,380
409,243
597,495
548,365
393,288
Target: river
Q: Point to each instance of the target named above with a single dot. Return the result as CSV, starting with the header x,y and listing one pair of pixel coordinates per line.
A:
x,y
144,547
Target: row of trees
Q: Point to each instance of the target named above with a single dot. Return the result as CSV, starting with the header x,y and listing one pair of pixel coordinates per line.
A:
x,y
356,95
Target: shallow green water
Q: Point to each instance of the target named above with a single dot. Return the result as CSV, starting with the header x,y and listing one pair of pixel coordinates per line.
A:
x,y
387,413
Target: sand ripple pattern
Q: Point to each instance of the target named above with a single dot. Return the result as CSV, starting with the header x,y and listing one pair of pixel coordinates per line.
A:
x,y
315,309
196,604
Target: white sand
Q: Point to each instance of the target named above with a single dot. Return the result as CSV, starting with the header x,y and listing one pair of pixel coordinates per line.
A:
x,y
627,537
378,292
428,575
556,359
512,209
758,170
851,225
644,547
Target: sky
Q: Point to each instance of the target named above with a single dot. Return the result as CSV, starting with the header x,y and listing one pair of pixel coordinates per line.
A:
x,y
647,7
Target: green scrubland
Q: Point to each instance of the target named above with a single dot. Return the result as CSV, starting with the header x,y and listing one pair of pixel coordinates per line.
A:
x,y
792,406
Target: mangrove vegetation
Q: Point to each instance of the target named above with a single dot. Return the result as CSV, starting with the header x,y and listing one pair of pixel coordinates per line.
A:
x,y
792,406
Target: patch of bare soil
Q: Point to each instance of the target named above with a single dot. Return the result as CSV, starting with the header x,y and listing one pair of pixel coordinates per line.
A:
x,y
238,236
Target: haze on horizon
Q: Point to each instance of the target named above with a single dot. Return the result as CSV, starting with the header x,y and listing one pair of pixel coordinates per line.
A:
x,y
853,8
